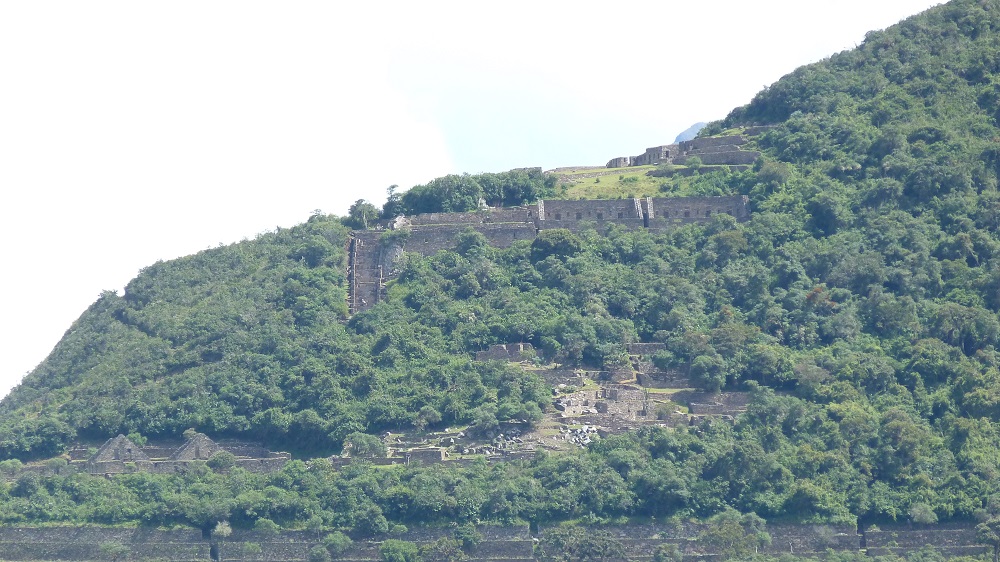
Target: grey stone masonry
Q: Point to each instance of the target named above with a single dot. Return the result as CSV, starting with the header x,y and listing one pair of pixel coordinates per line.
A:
x,y
712,151
663,379
952,539
757,130
640,540
735,157
564,210
366,272
644,348
620,162
373,254
719,403
119,448
717,148
120,455
198,447
507,352
708,142
667,212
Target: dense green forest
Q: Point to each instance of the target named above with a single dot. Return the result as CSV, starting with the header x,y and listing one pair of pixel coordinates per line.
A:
x,y
859,304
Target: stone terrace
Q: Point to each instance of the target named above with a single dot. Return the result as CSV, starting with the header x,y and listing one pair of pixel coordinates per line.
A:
x,y
511,544
372,254
952,539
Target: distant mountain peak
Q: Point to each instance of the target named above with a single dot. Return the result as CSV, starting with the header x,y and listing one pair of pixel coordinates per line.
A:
x,y
691,132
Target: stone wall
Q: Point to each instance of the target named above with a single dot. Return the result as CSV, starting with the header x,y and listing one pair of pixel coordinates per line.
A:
x,y
366,272
620,162
656,155
503,236
263,466
708,142
485,216
663,379
247,449
802,539
429,455
716,148
165,458
84,544
644,348
736,158
555,377
687,172
160,451
711,151
429,240
641,540
666,212
757,130
594,210
259,466
371,260
621,401
498,543
953,539
507,352
62,550
719,403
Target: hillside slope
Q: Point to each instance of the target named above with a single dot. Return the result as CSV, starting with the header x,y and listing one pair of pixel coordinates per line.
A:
x,y
859,305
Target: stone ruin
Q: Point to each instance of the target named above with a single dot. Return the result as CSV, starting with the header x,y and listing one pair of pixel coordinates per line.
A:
x,y
712,151
85,544
950,539
510,543
121,455
624,401
507,352
373,254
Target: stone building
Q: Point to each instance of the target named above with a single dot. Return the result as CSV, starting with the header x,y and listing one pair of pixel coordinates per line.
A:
x,y
114,454
507,352
120,454
199,447
712,151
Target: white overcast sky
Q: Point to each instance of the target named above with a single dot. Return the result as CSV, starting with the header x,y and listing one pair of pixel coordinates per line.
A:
x,y
137,131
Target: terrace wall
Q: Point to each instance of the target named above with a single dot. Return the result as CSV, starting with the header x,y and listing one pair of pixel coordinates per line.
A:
x,y
371,261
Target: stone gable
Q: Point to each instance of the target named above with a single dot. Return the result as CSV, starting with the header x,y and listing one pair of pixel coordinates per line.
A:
x,y
198,447
120,449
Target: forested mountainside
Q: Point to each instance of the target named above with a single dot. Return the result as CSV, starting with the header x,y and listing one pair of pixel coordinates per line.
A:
x,y
859,304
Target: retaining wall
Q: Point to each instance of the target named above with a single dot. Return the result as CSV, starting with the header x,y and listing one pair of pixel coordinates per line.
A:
x,y
371,261
718,148
664,379
739,157
757,130
644,348
507,352
695,209
492,215
707,142
498,543
592,209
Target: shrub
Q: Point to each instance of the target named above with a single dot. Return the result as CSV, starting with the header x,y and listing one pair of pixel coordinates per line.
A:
x,y
337,543
319,553
394,550
221,460
266,527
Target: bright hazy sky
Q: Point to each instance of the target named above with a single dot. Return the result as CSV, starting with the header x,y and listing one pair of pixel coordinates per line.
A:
x,y
132,132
